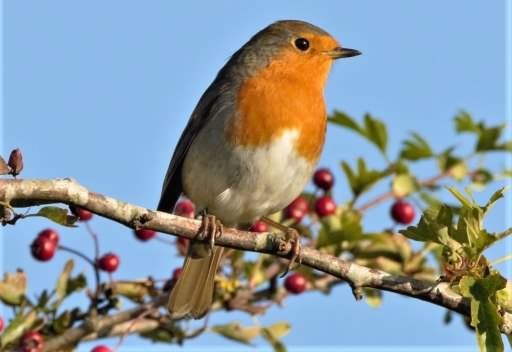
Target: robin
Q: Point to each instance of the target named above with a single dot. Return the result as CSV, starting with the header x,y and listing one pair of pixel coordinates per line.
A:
x,y
251,144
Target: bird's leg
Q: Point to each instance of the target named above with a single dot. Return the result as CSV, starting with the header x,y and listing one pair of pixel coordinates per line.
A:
x,y
211,228
292,237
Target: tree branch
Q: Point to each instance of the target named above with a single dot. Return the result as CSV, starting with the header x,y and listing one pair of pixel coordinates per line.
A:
x,y
24,193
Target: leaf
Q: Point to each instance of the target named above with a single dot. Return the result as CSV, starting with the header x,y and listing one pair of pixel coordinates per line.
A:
x,y
488,139
4,168
62,283
76,283
20,324
58,215
463,200
362,180
404,184
464,123
342,119
435,225
136,291
481,177
459,171
485,315
62,322
13,288
234,331
373,297
494,198
376,132
273,334
372,129
416,148
446,161
336,229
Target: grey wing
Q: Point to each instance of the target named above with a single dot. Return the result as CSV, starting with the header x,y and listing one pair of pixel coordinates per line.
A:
x,y
172,186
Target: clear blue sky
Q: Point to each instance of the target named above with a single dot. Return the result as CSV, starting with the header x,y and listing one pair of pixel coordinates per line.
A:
x,y
100,91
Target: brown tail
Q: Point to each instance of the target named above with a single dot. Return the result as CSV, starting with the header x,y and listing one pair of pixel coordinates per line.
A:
x,y
193,293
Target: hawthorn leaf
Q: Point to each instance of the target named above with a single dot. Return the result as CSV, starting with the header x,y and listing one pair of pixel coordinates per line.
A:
x,y
485,315
13,288
58,215
416,148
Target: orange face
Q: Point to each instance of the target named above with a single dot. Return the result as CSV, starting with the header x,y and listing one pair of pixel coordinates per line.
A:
x,y
287,94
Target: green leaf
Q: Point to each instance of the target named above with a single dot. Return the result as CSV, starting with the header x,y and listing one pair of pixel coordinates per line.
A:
x,y
342,119
136,291
347,226
76,283
13,288
362,180
235,331
376,132
373,297
274,333
494,198
463,200
488,139
20,324
58,215
435,225
416,148
459,171
61,288
372,129
404,184
447,161
485,315
464,123
62,322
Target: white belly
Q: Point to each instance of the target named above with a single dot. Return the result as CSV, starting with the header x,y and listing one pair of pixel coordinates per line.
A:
x,y
241,184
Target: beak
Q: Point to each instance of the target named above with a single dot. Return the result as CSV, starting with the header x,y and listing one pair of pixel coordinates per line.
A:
x,y
340,53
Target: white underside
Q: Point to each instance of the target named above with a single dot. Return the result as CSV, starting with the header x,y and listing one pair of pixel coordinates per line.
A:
x,y
242,184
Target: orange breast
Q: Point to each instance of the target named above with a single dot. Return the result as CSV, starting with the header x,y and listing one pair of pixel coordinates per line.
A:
x,y
287,94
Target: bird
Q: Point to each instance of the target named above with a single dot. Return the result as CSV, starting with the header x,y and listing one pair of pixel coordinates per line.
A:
x,y
251,144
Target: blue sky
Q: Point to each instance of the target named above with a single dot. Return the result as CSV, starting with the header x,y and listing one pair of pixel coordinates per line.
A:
x,y
100,91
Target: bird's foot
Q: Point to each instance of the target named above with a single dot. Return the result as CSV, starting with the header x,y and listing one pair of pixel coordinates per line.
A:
x,y
211,228
293,239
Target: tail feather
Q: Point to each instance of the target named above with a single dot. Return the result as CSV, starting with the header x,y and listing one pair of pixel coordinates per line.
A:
x,y
193,293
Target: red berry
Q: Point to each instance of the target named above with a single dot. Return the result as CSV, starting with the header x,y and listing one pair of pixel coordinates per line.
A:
x,y
169,284
109,262
82,214
32,341
101,348
51,235
295,283
259,226
297,209
176,273
43,248
182,245
145,234
185,208
1,324
403,212
325,206
323,179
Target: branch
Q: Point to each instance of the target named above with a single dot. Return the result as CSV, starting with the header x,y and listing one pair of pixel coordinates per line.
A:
x,y
24,193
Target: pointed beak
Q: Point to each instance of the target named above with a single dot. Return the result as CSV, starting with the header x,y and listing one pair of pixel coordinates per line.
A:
x,y
340,53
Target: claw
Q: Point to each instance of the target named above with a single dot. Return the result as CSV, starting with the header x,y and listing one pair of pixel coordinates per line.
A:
x,y
211,228
293,237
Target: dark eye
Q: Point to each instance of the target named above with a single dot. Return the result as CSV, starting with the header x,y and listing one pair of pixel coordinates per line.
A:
x,y
302,44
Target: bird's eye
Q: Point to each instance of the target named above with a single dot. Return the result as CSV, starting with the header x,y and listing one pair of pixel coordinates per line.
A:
x,y
302,44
